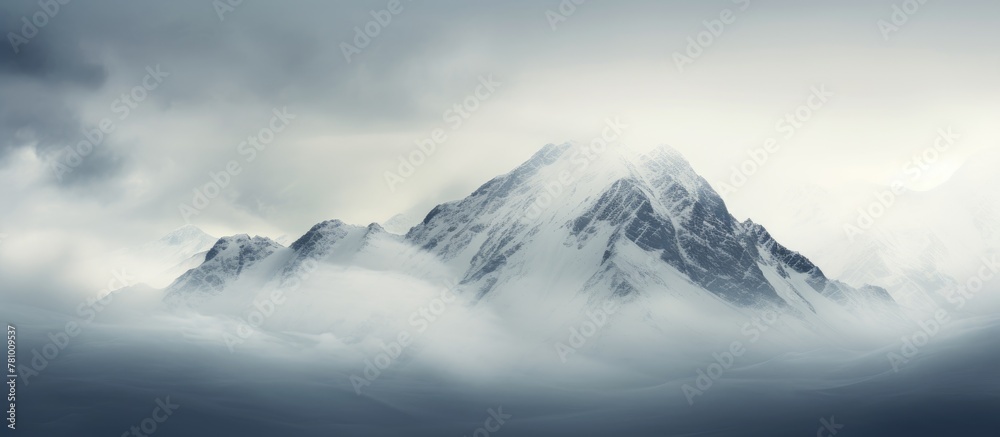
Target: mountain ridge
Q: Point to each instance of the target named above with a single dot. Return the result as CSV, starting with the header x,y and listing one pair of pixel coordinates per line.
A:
x,y
601,226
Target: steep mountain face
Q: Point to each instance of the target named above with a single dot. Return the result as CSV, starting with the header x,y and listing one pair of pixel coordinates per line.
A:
x,y
787,263
530,223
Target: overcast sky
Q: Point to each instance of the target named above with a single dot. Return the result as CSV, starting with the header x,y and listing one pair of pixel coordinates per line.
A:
x,y
223,71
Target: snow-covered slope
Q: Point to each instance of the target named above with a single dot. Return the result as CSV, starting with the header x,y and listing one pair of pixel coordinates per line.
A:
x,y
401,223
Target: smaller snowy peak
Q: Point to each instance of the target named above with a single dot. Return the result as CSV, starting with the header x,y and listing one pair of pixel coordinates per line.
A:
x,y
241,259
331,240
375,233
224,262
374,230
242,246
322,233
324,237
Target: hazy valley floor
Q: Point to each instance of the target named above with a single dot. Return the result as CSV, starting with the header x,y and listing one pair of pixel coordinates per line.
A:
x,y
109,377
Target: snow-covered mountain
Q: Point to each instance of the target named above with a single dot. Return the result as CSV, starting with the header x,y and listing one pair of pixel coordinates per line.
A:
x,y
611,226
228,259
241,261
564,228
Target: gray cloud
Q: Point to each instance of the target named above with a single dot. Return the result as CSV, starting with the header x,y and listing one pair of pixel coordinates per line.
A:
x,y
606,58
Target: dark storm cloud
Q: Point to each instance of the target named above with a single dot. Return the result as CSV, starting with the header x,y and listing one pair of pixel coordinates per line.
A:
x,y
44,61
263,54
27,117
40,79
270,54
33,81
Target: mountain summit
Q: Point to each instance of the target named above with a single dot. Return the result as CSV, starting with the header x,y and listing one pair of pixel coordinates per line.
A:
x,y
611,225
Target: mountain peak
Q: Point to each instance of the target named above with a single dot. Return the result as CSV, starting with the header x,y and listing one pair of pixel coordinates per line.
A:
x,y
667,152
321,231
224,263
240,242
595,202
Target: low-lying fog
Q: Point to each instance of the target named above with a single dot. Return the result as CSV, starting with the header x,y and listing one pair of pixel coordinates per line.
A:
x,y
355,351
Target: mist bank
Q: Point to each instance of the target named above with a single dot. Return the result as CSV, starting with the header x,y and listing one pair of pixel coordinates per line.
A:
x,y
364,352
